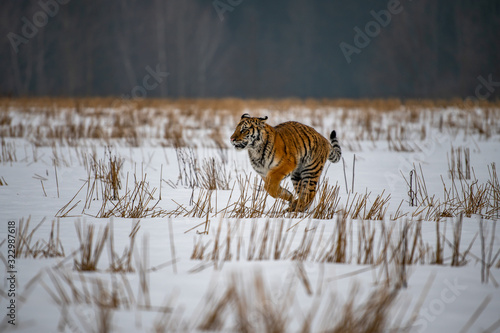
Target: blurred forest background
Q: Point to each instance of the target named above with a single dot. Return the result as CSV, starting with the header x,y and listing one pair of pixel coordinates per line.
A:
x,y
248,48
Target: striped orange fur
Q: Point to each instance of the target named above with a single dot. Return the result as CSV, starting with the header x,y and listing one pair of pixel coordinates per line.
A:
x,y
290,148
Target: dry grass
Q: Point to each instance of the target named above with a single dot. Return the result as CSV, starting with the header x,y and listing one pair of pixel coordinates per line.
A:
x,y
104,176
488,257
176,123
89,253
326,201
250,305
370,316
104,184
402,143
211,175
92,245
459,258
70,291
396,244
122,263
462,196
391,248
459,163
174,131
188,167
214,176
7,152
493,193
82,104
469,197
134,203
357,206
103,294
27,248
245,303
254,202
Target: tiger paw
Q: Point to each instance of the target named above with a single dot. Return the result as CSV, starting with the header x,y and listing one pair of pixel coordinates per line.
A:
x,y
294,207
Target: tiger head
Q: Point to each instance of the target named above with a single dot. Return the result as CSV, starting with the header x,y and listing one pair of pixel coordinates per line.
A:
x,y
247,131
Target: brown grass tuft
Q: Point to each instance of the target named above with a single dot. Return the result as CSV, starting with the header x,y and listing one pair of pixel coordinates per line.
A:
x,y
7,152
41,248
89,253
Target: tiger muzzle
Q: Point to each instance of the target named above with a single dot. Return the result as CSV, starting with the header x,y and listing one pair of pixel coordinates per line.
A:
x,y
238,144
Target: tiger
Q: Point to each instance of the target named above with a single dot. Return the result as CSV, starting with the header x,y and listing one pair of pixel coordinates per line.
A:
x,y
288,149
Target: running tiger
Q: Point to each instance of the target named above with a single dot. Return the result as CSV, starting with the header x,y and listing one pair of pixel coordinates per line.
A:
x,y
290,148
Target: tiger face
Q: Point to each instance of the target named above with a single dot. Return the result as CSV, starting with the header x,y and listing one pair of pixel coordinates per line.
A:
x,y
247,131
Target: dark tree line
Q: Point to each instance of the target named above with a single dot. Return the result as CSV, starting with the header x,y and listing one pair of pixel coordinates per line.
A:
x,y
249,48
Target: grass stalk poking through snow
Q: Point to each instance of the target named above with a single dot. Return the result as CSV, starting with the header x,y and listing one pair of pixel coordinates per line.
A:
x,y
27,248
89,253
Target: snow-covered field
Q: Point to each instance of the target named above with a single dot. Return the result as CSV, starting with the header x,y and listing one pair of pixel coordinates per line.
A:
x,y
177,254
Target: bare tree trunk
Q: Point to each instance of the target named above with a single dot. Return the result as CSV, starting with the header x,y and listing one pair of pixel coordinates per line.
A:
x,y
209,37
41,84
89,70
181,20
123,38
69,68
17,73
161,42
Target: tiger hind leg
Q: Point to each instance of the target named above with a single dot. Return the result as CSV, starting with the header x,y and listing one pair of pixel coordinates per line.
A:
x,y
306,191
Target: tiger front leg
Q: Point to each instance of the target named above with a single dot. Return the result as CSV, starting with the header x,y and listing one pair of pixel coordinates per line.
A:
x,y
273,187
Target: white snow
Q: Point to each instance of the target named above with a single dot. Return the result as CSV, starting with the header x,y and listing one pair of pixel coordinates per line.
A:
x,y
182,284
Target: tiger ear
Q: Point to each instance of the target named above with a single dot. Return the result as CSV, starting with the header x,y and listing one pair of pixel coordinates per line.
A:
x,y
263,118
245,115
